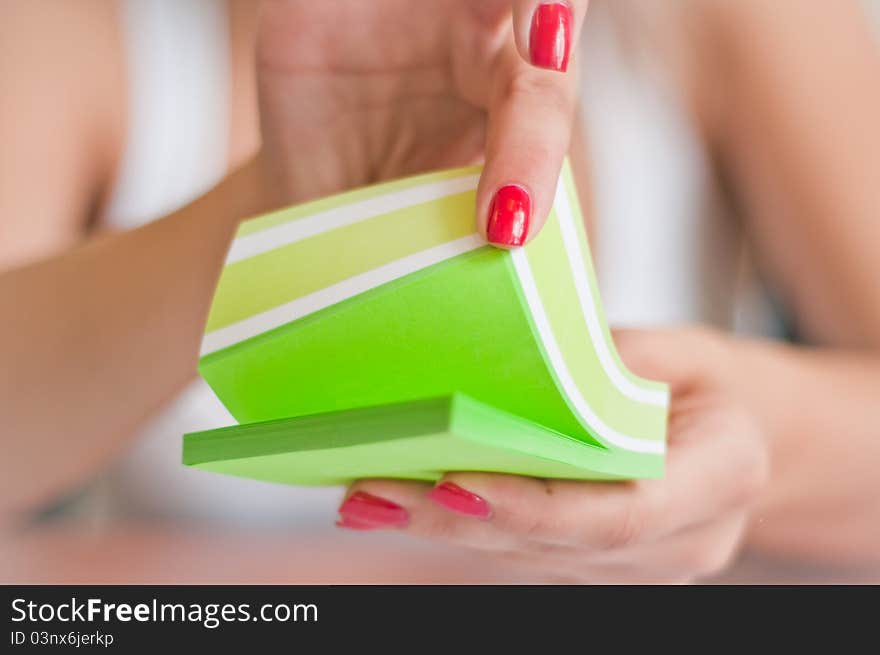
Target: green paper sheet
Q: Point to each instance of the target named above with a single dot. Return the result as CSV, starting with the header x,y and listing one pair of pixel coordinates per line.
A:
x,y
375,334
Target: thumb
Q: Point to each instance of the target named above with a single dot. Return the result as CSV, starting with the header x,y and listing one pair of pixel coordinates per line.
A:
x,y
681,357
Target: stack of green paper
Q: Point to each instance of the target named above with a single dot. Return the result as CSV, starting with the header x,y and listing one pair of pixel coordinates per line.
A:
x,y
375,334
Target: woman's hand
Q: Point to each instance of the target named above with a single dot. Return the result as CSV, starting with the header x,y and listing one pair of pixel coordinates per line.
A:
x,y
356,92
685,526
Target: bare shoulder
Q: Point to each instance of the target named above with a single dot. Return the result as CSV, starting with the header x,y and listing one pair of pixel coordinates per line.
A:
x,y
755,46
61,120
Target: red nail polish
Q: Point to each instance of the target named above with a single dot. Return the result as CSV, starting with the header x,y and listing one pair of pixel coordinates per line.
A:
x,y
459,500
509,216
550,38
363,511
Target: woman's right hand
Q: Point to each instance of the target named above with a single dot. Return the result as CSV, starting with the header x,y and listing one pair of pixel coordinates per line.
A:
x,y
356,93
688,525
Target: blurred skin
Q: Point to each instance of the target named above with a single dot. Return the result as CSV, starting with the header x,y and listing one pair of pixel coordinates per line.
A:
x,y
773,446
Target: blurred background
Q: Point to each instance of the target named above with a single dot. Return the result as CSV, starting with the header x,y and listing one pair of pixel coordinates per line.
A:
x,y
669,249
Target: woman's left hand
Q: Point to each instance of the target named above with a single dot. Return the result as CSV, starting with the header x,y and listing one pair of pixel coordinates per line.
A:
x,y
676,529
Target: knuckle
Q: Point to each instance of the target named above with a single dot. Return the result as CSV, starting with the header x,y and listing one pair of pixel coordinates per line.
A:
x,y
626,528
486,15
548,91
551,521
437,527
520,513
531,525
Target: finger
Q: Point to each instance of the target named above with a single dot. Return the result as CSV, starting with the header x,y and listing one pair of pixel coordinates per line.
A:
x,y
681,357
546,32
531,114
381,504
428,516
716,469
406,506
557,512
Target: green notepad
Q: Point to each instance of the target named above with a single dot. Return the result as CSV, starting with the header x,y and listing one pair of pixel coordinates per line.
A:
x,y
375,334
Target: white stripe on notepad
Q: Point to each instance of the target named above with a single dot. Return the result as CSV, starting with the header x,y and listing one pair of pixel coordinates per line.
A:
x,y
571,241
353,286
251,245
587,417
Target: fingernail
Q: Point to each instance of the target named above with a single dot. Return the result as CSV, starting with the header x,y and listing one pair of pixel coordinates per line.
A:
x,y
363,511
509,216
461,501
550,37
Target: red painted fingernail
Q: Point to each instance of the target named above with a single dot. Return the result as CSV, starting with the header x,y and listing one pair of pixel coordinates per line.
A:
x,y
363,511
509,216
550,38
459,500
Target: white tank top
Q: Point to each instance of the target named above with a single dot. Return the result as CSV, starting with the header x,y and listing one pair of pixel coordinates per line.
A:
x,y
665,253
